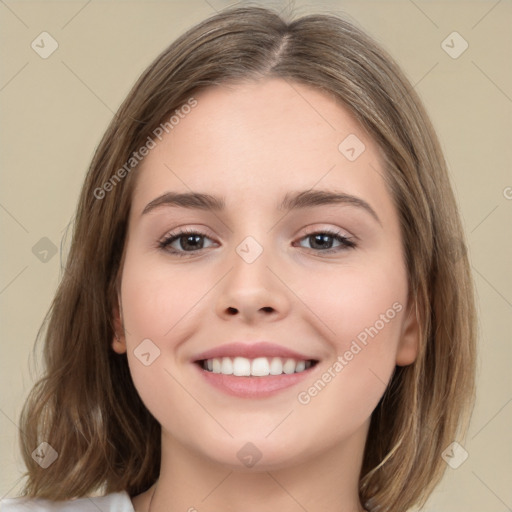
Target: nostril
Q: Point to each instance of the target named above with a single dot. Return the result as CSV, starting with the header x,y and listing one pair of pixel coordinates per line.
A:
x,y
232,311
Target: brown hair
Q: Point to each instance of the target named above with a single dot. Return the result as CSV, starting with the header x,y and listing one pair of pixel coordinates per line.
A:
x,y
86,405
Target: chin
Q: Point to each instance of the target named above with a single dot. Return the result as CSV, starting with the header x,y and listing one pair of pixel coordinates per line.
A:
x,y
256,454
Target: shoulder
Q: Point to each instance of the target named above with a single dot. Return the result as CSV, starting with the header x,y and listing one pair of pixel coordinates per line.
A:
x,y
114,502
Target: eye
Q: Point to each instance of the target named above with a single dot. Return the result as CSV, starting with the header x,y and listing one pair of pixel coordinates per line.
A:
x,y
322,241
187,240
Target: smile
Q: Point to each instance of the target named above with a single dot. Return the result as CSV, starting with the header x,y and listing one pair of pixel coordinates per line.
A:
x,y
256,378
257,367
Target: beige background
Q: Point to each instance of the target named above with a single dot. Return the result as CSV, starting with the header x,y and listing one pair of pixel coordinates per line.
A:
x,y
55,110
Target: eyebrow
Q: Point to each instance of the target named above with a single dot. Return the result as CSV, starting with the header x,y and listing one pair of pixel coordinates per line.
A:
x,y
291,201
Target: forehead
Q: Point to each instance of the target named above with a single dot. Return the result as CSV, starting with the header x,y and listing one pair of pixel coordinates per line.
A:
x,y
262,139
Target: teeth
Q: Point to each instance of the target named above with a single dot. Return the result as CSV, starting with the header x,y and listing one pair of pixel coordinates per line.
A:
x,y
227,366
241,366
276,366
216,365
300,366
258,367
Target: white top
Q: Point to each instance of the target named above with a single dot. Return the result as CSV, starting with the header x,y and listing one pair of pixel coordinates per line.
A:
x,y
114,502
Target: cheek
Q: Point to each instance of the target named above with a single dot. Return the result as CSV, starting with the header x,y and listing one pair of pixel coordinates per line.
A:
x,y
361,312
156,307
351,299
353,306
156,298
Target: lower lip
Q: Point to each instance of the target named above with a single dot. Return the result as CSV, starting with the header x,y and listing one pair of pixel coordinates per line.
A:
x,y
253,387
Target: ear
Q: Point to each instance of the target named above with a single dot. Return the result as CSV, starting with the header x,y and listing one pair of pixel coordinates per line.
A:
x,y
408,346
119,341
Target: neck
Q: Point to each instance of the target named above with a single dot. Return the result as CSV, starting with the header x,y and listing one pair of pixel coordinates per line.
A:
x,y
326,481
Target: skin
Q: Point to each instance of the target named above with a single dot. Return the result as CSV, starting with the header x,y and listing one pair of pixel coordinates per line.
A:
x,y
252,143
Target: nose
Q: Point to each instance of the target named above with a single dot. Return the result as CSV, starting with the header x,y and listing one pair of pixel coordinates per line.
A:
x,y
253,292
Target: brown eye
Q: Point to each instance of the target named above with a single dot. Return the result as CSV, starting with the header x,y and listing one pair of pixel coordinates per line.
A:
x,y
322,241
184,241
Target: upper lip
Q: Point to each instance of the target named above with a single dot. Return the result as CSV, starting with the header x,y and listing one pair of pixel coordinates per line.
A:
x,y
251,351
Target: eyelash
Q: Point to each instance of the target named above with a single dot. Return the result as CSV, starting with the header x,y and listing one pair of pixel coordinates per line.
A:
x,y
347,243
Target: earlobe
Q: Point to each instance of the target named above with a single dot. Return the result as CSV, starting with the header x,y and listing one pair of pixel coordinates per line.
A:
x,y
119,341
408,346
118,344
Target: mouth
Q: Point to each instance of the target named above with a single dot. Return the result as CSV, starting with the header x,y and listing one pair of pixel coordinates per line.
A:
x,y
255,367
253,370
257,378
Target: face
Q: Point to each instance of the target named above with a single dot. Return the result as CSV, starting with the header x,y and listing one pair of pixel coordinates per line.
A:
x,y
321,276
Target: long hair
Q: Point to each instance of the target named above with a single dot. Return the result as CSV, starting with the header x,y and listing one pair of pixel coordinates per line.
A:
x,y
86,406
